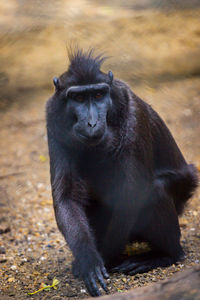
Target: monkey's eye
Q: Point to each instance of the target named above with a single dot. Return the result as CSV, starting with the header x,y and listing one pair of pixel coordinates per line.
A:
x,y
98,95
79,98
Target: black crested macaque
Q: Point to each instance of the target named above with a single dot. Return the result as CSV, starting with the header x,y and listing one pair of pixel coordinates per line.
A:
x,y
117,174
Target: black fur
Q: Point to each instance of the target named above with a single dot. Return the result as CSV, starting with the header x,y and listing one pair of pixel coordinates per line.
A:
x,y
128,186
83,69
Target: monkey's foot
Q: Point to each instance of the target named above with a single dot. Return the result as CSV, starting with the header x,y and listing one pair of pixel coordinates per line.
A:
x,y
144,263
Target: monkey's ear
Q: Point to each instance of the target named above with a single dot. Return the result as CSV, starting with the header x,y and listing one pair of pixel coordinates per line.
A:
x,y
110,75
56,83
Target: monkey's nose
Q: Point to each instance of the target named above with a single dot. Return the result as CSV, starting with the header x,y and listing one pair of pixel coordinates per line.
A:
x,y
92,124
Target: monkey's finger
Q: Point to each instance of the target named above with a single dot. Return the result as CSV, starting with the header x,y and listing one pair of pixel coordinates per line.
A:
x,y
118,268
92,286
128,267
140,269
121,267
125,269
91,290
105,273
101,279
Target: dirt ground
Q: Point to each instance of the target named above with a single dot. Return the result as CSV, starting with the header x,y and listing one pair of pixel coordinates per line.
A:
x,y
156,52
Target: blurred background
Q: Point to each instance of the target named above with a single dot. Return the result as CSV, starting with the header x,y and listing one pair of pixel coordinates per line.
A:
x,y
153,45
150,43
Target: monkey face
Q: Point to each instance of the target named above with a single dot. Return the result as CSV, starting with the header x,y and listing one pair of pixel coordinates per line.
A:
x,y
87,108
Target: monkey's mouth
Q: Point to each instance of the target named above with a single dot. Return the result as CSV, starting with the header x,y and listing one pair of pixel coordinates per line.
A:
x,y
90,140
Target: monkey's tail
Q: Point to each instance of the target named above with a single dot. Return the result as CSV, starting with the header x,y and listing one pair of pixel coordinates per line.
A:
x,y
181,184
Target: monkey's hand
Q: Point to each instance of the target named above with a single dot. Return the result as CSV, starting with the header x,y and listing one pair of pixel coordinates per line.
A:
x,y
91,270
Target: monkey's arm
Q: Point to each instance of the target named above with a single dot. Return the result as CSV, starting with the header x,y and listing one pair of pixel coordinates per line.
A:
x,y
73,224
88,264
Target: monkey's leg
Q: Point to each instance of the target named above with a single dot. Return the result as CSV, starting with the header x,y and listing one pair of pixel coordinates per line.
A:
x,y
161,230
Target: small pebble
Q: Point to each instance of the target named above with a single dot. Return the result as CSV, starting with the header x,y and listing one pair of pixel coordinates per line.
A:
x,y
42,258
40,185
2,250
24,259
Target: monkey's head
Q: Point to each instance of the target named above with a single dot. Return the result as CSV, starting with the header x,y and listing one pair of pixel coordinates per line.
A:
x,y
85,95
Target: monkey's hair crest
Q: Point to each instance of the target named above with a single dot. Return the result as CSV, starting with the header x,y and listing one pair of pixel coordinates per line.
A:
x,y
84,65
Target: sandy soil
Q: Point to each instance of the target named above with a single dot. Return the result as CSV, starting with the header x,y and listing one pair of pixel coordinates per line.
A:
x,y
157,53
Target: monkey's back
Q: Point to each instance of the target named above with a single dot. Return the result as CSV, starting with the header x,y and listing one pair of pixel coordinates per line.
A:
x,y
168,161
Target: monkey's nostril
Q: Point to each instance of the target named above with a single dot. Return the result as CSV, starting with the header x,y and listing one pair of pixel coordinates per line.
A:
x,y
92,124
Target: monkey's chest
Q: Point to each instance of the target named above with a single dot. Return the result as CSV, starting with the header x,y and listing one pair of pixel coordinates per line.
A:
x,y
101,178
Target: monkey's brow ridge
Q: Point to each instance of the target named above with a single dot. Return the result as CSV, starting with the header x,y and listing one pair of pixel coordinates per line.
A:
x,y
88,87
